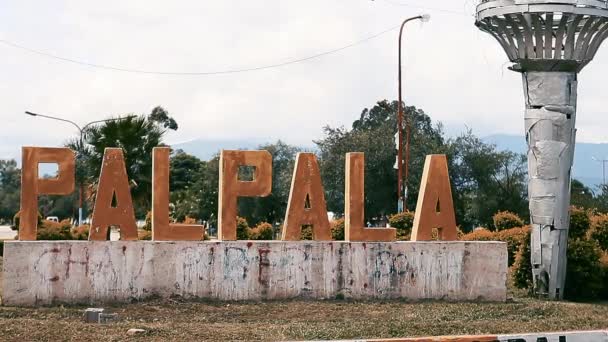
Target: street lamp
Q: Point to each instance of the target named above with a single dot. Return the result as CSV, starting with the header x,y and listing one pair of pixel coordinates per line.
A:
x,y
81,147
401,189
603,161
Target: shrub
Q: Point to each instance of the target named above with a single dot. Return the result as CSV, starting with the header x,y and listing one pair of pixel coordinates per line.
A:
x,y
604,265
514,238
144,235
55,230
263,231
521,271
506,220
242,229
148,225
579,223
306,233
584,279
189,220
80,232
16,220
337,229
479,234
599,230
403,222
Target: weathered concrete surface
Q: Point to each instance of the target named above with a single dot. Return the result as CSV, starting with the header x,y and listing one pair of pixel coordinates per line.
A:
x,y
570,336
48,272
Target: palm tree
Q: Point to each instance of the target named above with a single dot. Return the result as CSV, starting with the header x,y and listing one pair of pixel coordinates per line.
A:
x,y
137,136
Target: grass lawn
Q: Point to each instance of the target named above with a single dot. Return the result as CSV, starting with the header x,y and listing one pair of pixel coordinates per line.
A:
x,y
300,320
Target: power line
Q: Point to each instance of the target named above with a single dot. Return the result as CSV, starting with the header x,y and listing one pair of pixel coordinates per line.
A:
x,y
204,73
397,3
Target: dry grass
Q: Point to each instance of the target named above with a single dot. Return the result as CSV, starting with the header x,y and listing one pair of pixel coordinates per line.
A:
x,y
175,320
301,320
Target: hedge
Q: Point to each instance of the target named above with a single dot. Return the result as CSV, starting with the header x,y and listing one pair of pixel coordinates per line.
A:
x,y
506,220
514,238
337,229
521,271
262,231
584,276
403,222
579,223
599,230
55,230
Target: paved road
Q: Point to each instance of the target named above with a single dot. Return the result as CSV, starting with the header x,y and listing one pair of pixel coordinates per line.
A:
x,y
6,233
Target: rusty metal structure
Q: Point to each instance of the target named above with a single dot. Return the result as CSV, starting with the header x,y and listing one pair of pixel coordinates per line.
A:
x,y
548,42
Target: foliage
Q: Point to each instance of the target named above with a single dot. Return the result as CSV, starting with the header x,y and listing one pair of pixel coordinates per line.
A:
x,y
194,189
580,195
373,133
521,271
144,235
55,230
263,231
10,187
80,233
579,223
506,220
514,238
137,136
337,229
403,222
148,222
16,220
599,230
307,233
161,116
479,234
242,229
604,270
584,279
485,180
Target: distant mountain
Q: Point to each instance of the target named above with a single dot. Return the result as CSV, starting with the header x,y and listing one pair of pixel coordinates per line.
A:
x,y
586,169
206,149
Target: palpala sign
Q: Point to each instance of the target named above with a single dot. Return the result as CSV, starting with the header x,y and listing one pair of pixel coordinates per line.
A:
x,y
306,204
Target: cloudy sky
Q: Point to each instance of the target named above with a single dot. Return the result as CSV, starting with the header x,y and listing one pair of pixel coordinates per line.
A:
x,y
454,72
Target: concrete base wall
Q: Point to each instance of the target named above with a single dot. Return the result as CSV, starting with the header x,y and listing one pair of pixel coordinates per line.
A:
x,y
50,272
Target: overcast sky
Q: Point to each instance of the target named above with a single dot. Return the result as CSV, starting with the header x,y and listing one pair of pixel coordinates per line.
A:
x,y
457,74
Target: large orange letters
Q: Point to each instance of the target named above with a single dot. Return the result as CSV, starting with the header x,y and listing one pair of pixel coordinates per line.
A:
x,y
306,205
32,185
435,208
354,195
231,187
162,230
113,184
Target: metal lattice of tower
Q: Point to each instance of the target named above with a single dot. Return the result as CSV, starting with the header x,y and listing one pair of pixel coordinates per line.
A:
x,y
549,42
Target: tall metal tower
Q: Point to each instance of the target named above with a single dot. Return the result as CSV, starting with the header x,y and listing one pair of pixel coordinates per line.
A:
x,y
549,42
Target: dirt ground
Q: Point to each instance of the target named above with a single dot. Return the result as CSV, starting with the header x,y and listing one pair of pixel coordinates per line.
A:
x,y
299,320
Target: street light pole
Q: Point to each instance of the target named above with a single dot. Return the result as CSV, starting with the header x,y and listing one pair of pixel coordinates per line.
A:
x,y
81,130
401,189
603,161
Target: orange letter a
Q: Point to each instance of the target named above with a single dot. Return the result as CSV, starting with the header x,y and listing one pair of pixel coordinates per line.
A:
x,y
435,208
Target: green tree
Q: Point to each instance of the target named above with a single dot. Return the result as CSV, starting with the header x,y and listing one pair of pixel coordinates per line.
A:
x,y
185,200
10,187
580,195
485,181
373,133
